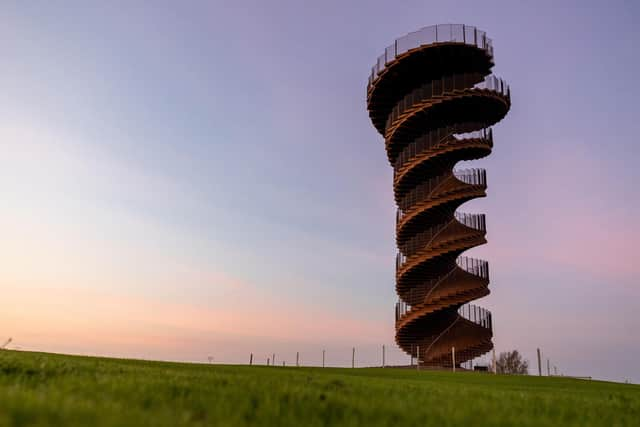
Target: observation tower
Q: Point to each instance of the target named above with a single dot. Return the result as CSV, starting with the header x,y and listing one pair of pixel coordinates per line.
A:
x,y
432,96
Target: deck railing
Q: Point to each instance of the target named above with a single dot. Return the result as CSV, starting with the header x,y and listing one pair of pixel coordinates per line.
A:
x,y
476,221
417,295
444,33
478,315
474,176
435,138
447,85
427,189
424,238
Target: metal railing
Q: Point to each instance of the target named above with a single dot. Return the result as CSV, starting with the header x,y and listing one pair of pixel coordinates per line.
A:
x,y
474,176
419,241
447,85
478,134
436,138
424,238
426,190
418,295
475,266
421,192
473,313
478,315
494,84
443,33
402,308
476,221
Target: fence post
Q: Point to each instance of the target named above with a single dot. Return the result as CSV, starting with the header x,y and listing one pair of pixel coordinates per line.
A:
x,y
412,355
323,358
417,358
493,362
383,364
539,364
453,358
251,359
548,369
267,361
273,360
297,359
353,358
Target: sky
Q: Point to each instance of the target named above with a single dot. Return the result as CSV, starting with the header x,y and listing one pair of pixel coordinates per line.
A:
x,y
184,180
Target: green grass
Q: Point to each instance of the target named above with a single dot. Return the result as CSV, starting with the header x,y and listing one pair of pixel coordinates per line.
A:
x,y
47,389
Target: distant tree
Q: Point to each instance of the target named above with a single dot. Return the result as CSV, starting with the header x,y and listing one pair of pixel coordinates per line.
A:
x,y
511,362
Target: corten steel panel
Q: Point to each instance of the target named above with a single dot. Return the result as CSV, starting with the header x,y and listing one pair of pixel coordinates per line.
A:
x,y
432,96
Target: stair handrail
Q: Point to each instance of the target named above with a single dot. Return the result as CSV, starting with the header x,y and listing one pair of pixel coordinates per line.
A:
x,y
438,284
431,192
438,337
398,167
438,233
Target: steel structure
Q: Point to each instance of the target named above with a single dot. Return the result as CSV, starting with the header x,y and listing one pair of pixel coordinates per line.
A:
x,y
433,98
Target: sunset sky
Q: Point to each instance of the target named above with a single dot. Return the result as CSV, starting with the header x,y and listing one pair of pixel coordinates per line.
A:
x,y
190,179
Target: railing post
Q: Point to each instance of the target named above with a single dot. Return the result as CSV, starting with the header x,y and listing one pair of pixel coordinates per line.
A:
x,y
453,358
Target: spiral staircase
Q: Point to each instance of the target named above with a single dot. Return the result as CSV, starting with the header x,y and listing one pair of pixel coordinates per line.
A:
x,y
432,96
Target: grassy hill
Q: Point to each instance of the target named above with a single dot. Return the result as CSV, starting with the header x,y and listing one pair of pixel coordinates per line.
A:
x,y
46,389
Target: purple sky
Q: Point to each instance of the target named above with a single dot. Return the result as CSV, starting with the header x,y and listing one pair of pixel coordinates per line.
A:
x,y
184,181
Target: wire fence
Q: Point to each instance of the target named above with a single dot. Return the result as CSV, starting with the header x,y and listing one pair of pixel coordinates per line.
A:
x,y
387,355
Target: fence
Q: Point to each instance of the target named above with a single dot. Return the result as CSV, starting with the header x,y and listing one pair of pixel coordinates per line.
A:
x,y
356,356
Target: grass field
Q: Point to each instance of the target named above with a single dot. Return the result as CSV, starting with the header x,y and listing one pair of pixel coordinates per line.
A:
x,y
46,389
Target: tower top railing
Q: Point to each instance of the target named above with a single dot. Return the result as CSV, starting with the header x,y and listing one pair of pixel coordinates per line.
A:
x,y
442,33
